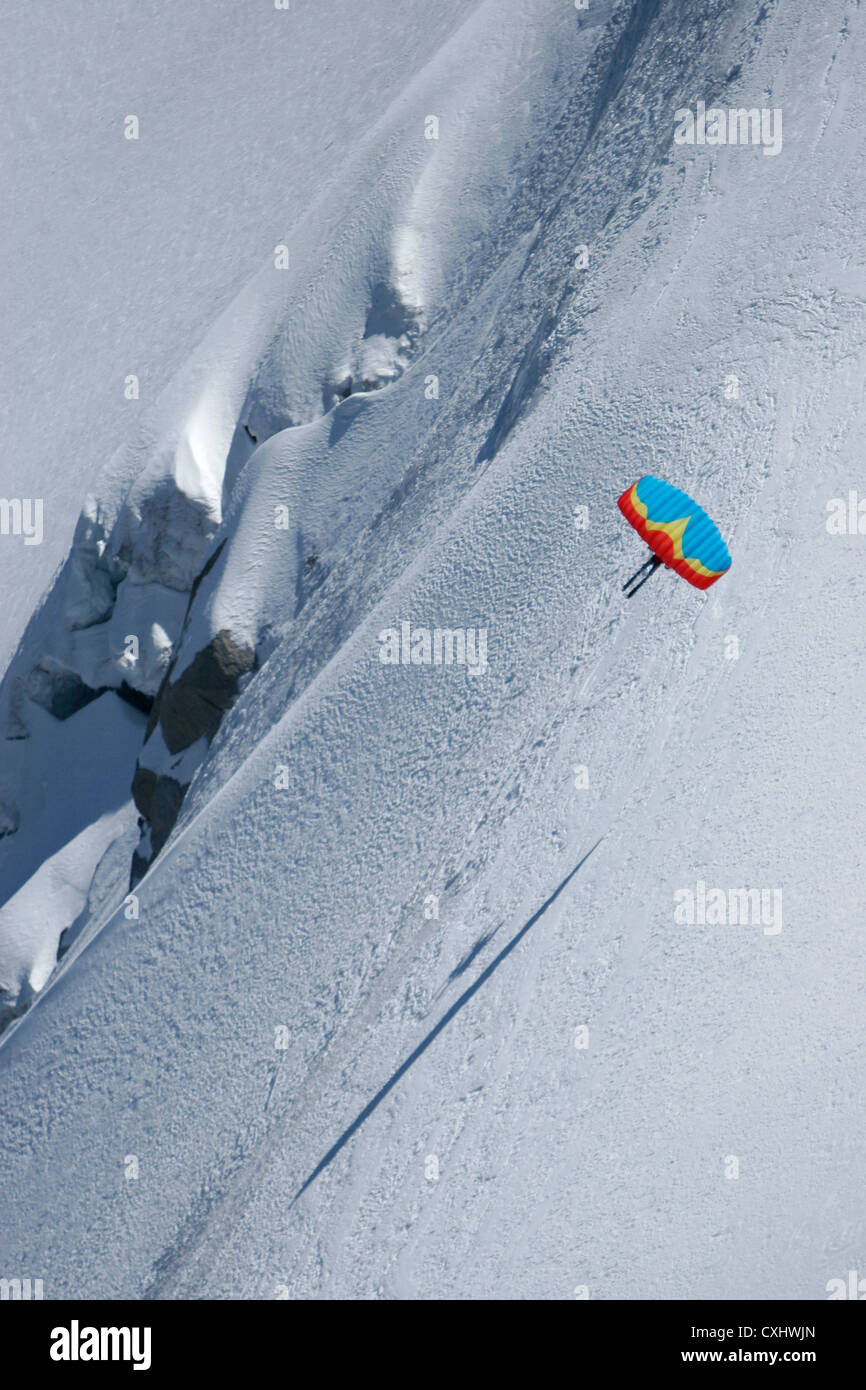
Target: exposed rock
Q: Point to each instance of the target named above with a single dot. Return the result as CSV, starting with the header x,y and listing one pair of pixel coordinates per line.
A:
x,y
58,689
189,709
159,799
195,703
137,698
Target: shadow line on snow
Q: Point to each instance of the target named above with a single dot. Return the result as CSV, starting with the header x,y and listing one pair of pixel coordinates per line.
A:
x,y
446,1018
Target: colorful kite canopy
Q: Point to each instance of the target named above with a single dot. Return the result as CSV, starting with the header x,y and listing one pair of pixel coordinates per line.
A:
x,y
677,530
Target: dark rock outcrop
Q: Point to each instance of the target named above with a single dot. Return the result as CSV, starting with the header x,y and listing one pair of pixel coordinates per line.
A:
x,y
185,711
195,704
58,689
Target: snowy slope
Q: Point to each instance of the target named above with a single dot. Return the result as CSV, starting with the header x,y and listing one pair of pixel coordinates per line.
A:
x,y
360,841
144,531
120,253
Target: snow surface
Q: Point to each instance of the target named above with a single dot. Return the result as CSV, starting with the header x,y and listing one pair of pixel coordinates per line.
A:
x,y
365,849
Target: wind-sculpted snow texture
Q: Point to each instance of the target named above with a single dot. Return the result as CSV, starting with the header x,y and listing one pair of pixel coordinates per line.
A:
x,y
416,992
